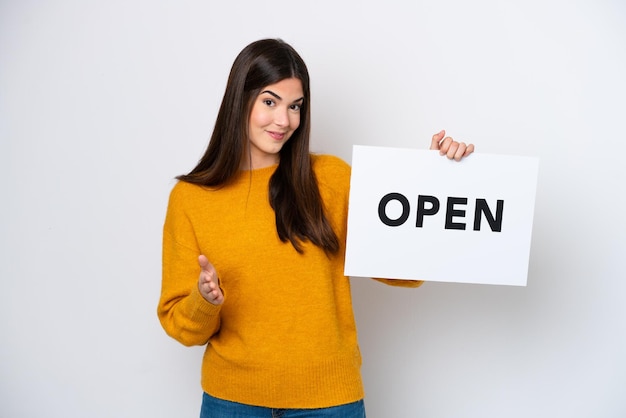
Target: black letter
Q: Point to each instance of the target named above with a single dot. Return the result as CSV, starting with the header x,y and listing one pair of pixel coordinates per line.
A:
x,y
421,211
494,223
383,204
450,212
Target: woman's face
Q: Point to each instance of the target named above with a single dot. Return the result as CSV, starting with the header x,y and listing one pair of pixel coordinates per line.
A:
x,y
274,117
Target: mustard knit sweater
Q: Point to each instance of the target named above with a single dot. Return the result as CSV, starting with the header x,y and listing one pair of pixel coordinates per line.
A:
x,y
285,336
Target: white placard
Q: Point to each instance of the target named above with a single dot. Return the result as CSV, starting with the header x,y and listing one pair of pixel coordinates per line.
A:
x,y
480,232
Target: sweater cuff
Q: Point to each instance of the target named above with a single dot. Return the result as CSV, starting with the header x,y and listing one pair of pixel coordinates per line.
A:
x,y
202,306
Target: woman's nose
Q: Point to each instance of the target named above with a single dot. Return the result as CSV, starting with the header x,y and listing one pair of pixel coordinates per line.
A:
x,y
281,117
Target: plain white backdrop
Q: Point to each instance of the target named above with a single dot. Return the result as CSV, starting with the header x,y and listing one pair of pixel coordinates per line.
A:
x,y
103,103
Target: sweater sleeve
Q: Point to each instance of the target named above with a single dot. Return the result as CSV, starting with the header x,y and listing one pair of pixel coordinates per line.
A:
x,y
184,314
401,283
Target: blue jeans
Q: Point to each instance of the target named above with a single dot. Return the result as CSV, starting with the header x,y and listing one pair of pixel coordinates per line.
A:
x,y
218,408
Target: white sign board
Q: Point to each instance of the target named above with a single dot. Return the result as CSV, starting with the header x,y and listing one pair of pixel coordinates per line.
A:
x,y
416,215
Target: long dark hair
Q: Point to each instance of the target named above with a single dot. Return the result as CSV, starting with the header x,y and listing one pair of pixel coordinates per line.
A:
x,y
293,190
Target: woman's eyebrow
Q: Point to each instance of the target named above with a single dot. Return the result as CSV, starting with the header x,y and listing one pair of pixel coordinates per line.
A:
x,y
272,93
280,98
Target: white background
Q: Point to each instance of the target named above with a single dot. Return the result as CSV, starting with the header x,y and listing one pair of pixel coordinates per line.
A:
x,y
103,103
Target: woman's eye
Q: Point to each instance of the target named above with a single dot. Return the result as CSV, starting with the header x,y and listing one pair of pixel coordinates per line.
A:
x,y
295,107
268,102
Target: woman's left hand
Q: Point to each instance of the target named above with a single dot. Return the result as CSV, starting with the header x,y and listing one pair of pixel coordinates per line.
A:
x,y
449,147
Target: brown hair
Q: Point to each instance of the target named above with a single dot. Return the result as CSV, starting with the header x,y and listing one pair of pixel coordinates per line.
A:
x,y
293,190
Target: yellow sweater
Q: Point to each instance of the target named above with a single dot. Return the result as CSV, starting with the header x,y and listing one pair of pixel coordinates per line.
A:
x,y
285,336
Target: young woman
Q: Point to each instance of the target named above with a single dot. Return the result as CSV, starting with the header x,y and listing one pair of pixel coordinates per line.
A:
x,y
253,253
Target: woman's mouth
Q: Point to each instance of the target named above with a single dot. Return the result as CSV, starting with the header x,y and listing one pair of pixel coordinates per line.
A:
x,y
279,136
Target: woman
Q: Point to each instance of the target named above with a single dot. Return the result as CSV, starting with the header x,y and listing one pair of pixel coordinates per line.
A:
x,y
253,252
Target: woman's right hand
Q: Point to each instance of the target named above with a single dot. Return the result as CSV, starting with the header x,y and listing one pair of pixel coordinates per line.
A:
x,y
209,283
